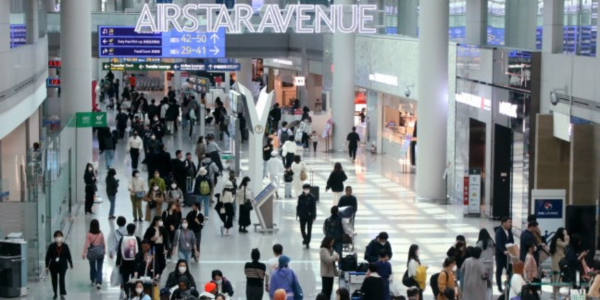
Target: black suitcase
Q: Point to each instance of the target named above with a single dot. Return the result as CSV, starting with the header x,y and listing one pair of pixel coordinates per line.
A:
x,y
314,190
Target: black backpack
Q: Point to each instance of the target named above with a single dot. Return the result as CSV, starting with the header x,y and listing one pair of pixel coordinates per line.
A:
x,y
350,263
567,271
433,282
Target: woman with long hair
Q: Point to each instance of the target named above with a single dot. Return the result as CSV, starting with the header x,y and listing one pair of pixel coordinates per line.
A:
x,y
558,250
488,247
159,240
255,277
94,250
336,182
90,180
181,272
243,196
413,264
328,257
154,200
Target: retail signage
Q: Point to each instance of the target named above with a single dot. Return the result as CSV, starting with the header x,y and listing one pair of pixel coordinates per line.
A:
x,y
283,62
91,119
299,81
385,79
223,67
18,35
474,101
474,194
274,19
53,64
508,109
466,191
548,206
124,41
53,82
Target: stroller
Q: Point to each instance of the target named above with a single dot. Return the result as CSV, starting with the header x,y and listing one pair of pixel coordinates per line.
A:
x,y
347,213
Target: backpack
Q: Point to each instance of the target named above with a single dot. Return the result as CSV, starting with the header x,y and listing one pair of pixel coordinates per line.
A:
x,y
298,135
333,227
129,248
349,263
285,135
433,282
226,120
204,187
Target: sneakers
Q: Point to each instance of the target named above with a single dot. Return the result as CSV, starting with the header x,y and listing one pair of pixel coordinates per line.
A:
x,y
99,286
112,217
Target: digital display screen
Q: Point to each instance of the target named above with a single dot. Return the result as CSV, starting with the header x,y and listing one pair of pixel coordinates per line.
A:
x,y
53,82
54,64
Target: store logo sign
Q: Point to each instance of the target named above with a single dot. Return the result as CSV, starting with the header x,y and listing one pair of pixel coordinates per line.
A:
x,y
385,79
474,101
508,109
299,81
283,62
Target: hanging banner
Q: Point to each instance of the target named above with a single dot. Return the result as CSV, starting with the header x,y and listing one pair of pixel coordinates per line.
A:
x,y
474,194
548,206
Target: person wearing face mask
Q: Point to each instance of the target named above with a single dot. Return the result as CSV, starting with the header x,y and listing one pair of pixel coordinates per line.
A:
x,y
255,277
145,262
138,292
306,212
178,170
185,242
157,180
159,240
380,242
58,259
446,278
190,173
184,292
122,120
137,192
112,184
172,219
196,222
214,152
158,128
135,146
223,285
89,177
181,273
174,194
154,200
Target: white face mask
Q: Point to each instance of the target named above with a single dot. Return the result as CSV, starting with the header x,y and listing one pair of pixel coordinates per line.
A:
x,y
155,188
173,186
184,225
160,223
137,175
306,191
58,239
90,169
182,270
153,137
139,291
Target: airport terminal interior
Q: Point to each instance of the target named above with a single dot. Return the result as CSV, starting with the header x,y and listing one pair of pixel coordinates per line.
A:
x,y
276,149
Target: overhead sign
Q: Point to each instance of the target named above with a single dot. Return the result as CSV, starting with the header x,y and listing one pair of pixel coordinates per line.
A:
x,y
53,82
299,81
276,19
91,119
134,59
153,67
189,67
548,206
53,64
223,67
18,35
124,41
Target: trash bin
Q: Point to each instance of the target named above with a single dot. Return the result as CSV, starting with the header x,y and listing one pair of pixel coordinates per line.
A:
x,y
11,269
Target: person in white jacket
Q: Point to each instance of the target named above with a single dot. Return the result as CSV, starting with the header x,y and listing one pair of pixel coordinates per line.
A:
x,y
275,169
289,151
297,167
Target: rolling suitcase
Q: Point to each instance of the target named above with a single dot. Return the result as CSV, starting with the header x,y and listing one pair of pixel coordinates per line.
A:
x,y
189,198
314,190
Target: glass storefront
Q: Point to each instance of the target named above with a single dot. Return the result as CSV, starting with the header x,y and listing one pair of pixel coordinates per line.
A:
x,y
399,123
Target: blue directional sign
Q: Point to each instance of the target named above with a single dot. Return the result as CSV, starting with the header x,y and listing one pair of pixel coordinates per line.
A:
x,y
189,67
18,35
123,41
223,67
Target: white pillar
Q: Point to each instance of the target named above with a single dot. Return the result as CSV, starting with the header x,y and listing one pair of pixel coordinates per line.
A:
x,y
227,82
31,16
552,41
4,34
476,22
50,5
433,99
244,76
408,17
111,5
96,5
76,75
303,91
342,97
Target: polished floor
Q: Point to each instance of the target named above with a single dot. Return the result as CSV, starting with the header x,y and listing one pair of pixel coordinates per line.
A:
x,y
385,189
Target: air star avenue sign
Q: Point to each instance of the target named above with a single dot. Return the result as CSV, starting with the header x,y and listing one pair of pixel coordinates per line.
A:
x,y
335,18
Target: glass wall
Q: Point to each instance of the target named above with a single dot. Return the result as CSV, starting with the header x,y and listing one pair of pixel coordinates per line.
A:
x,y
580,27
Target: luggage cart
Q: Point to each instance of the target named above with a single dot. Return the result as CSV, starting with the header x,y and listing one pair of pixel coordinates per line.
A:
x,y
347,213
352,281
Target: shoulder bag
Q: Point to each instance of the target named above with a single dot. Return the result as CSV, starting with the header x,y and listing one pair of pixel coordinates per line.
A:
x,y
95,252
247,204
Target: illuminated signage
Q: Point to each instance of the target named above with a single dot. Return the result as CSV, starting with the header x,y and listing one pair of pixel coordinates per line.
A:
x,y
184,19
53,82
299,81
54,64
474,101
508,109
283,62
385,79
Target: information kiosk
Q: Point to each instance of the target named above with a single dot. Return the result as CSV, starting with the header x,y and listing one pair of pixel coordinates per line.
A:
x,y
263,206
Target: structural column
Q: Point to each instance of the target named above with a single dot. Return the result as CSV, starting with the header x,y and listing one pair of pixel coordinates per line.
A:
x,y
4,32
520,24
476,22
96,5
408,17
342,98
553,30
32,21
76,75
244,76
433,99
303,91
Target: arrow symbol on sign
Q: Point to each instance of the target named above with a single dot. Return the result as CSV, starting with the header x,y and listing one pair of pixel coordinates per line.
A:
x,y
176,67
104,51
210,66
215,50
104,41
141,67
214,37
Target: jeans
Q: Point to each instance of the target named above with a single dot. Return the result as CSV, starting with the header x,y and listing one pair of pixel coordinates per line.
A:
x,y
205,202
109,157
96,270
111,199
185,256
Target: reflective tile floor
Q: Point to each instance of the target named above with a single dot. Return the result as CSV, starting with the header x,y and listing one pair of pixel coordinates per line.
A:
x,y
384,188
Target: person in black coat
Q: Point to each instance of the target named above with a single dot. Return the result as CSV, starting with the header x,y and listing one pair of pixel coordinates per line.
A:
x,y
178,170
372,287
127,268
159,241
58,260
89,178
348,200
306,211
122,120
504,236
112,184
376,245
163,162
352,139
171,221
195,221
336,182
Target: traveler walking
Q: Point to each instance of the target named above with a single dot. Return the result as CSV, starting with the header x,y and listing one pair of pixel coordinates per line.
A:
x,y
58,259
267,150
137,192
171,221
224,207
196,221
333,227
284,278
214,152
446,278
89,178
129,246
275,170
154,200
255,277
289,149
244,198
504,236
288,179
275,117
135,146
122,119
94,250
115,237
475,276
200,150
529,236
487,246
158,237
373,286
458,252
203,188
349,200
300,174
531,266
558,246
112,185
328,268
272,265
145,262
223,285
353,139
181,273
174,194
306,212
185,242
336,182
314,137
110,142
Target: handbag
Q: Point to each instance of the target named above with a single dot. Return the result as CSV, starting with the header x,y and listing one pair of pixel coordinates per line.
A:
x,y
94,252
115,277
247,204
152,204
140,194
297,289
303,175
408,281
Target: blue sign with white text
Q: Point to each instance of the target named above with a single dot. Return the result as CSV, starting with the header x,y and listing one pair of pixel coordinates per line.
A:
x,y
123,41
223,67
18,35
549,208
